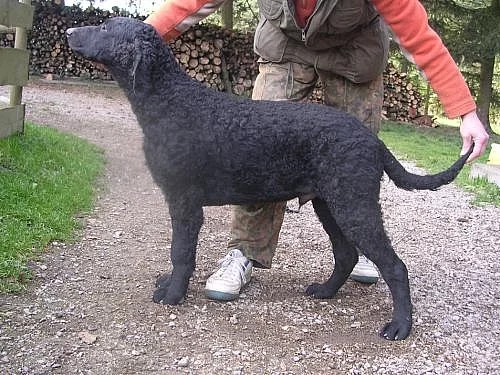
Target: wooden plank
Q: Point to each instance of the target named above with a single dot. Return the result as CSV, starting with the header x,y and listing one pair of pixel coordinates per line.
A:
x,y
13,66
11,120
5,30
489,172
14,13
14,63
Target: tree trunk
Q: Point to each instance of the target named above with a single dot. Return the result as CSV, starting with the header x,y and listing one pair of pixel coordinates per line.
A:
x,y
227,14
486,91
427,98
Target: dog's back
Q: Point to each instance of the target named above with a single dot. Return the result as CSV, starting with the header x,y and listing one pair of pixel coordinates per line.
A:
x,y
235,151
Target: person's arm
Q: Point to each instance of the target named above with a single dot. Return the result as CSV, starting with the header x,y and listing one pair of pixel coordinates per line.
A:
x,y
423,46
173,17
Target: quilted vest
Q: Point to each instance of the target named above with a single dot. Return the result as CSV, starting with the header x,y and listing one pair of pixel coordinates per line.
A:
x,y
346,37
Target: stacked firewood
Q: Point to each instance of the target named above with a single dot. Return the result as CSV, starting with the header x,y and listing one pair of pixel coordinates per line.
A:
x,y
217,57
50,53
402,100
220,58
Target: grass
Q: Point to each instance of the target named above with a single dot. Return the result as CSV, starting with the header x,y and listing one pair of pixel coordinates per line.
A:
x,y
440,120
436,149
47,180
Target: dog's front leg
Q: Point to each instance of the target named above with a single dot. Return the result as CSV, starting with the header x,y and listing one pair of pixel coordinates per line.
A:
x,y
186,224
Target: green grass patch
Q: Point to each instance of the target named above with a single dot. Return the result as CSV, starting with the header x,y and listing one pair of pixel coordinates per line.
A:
x,y
47,179
448,122
440,120
435,149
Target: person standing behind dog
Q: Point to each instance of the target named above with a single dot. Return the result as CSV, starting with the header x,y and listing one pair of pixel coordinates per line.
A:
x,y
345,44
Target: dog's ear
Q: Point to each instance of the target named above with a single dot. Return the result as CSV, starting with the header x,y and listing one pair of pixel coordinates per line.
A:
x,y
139,53
144,56
143,49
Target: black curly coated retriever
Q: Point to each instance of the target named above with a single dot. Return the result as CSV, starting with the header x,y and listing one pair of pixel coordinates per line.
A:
x,y
208,148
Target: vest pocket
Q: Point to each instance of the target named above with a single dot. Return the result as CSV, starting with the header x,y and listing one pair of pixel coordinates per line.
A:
x,y
269,41
346,16
363,58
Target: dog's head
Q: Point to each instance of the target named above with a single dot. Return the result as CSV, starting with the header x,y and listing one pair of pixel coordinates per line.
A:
x,y
121,44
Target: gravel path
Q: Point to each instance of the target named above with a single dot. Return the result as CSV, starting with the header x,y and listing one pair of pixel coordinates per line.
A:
x,y
89,309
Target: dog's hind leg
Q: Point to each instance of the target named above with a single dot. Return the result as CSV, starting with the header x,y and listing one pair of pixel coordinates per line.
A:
x,y
363,227
345,254
186,225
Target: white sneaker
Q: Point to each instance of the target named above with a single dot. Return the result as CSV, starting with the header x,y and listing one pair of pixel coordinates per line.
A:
x,y
365,271
225,284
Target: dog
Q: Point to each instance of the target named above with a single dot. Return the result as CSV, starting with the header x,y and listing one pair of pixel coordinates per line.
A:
x,y
206,148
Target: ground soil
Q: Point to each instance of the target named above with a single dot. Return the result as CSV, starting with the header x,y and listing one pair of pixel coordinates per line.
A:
x,y
88,309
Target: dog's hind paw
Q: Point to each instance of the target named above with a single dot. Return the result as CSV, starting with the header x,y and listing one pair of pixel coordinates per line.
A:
x,y
396,330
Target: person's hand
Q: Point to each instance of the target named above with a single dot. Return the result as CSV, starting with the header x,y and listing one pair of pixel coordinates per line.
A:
x,y
473,131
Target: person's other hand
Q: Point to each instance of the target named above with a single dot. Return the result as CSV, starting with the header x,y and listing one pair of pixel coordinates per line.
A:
x,y
473,131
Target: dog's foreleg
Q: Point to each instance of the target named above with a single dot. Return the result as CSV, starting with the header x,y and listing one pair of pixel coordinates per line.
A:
x,y
186,224
345,255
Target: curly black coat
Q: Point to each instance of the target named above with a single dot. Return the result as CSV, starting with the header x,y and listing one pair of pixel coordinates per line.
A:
x,y
208,148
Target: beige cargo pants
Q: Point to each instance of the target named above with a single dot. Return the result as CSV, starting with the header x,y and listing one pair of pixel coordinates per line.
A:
x,y
255,228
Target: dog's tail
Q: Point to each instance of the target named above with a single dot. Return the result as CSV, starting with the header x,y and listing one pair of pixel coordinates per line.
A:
x,y
409,181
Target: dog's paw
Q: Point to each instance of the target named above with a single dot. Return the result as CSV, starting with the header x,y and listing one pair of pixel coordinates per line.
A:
x,y
163,281
159,294
396,330
319,291
162,295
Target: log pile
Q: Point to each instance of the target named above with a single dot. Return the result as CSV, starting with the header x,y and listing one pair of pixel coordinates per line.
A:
x,y
50,54
219,58
402,100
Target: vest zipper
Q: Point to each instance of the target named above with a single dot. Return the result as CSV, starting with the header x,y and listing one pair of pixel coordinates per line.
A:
x,y
303,30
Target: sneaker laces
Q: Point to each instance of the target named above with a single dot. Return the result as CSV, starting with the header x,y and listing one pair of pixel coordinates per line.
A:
x,y
232,265
364,259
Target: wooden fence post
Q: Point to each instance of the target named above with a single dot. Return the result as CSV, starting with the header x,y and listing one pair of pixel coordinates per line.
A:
x,y
14,63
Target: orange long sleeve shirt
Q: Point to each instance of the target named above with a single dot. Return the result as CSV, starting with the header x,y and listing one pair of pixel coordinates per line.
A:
x,y
407,19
